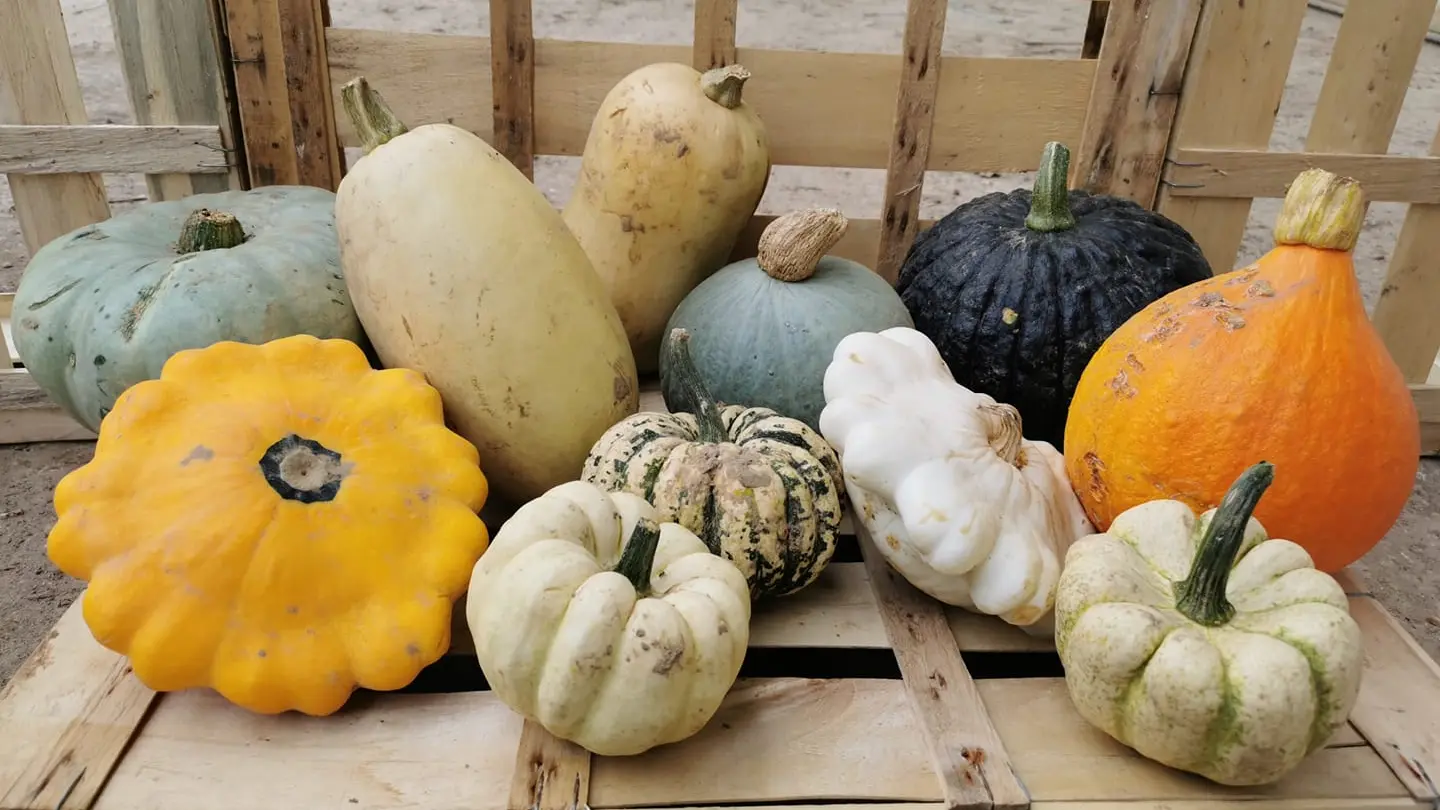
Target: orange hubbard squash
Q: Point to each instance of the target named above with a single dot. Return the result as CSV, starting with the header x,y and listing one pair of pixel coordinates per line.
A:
x,y
279,522
1275,360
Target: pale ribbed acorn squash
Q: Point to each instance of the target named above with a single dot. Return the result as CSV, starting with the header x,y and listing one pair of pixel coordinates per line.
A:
x,y
759,488
1017,290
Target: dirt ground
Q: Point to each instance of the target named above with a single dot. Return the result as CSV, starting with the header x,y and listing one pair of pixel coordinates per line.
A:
x,y
33,593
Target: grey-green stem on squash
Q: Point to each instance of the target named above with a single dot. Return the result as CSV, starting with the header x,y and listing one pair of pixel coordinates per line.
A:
x,y
1201,595
639,555
372,118
205,229
1050,198
792,245
723,85
698,400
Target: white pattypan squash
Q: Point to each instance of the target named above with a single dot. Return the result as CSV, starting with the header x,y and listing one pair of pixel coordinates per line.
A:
x,y
1202,644
959,503
605,626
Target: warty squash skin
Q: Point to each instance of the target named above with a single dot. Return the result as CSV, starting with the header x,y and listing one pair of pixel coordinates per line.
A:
x,y
104,306
673,169
1019,289
761,489
461,270
1277,359
606,625
764,328
279,522
1204,644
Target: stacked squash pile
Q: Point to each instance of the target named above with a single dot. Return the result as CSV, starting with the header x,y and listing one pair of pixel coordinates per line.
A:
x,y
1059,417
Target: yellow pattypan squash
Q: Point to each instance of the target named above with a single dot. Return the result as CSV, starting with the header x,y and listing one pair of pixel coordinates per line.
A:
x,y
279,522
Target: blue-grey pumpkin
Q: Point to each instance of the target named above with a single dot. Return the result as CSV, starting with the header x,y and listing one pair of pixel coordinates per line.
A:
x,y
104,306
764,329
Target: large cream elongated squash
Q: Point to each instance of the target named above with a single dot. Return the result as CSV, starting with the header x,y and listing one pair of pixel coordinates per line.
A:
x,y
459,268
673,168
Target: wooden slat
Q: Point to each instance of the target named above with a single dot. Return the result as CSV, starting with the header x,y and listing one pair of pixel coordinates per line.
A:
x,y
38,85
65,149
283,91
64,762
550,773
910,139
7,337
974,769
1396,710
821,109
714,34
1405,311
512,77
1371,62
1247,173
174,76
1095,29
1127,128
1231,92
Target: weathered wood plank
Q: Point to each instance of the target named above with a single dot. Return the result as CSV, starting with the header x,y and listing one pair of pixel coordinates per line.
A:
x,y
39,85
1250,173
66,149
1232,89
714,34
550,773
970,758
910,141
1127,129
512,74
1405,312
174,76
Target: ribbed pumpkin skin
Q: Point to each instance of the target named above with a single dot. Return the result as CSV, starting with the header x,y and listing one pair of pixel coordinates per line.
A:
x,y
104,306
769,499
766,342
1017,313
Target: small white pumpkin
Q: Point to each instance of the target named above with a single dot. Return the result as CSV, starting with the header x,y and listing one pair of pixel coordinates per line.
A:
x,y
1202,644
956,499
616,644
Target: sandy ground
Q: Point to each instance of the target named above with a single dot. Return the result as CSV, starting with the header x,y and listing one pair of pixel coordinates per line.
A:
x,y
33,593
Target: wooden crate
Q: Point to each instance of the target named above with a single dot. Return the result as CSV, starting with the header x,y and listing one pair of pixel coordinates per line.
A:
x,y
858,693
1138,108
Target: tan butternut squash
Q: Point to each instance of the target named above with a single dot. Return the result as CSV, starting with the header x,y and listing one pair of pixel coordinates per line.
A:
x,y
460,269
673,169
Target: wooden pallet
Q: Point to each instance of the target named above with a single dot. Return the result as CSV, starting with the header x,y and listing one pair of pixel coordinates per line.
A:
x,y
858,692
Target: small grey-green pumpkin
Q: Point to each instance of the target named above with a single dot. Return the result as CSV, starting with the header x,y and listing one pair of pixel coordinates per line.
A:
x,y
104,306
765,328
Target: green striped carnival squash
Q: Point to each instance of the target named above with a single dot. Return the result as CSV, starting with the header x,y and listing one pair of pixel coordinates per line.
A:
x,y
761,489
764,328
102,307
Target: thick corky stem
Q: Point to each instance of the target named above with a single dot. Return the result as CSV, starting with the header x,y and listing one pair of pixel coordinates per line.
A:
x,y
639,555
1002,431
1322,210
1050,199
209,230
792,245
372,118
698,400
1201,596
723,85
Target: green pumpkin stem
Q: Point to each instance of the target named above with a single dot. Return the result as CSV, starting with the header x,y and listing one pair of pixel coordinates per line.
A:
x,y
639,555
698,400
1201,596
205,229
723,85
792,246
372,118
1050,199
